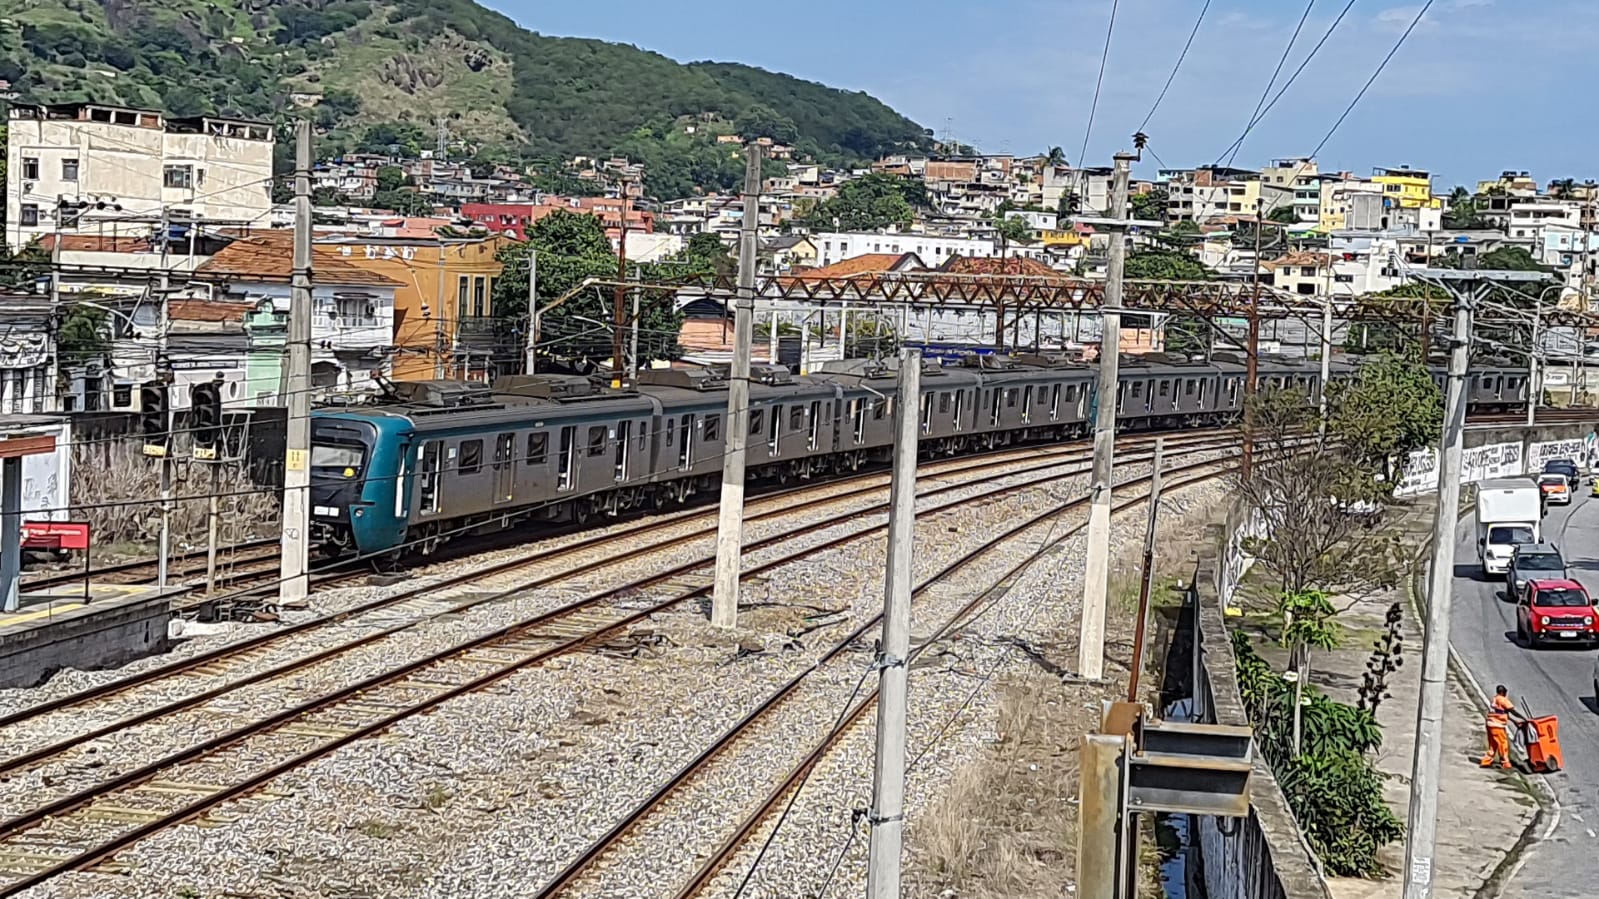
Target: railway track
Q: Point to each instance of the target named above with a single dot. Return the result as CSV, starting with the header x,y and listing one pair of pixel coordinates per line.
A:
x,y
86,826
586,874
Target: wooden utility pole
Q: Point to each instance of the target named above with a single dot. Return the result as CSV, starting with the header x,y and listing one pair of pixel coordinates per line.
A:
x,y
618,297
1096,569
730,524
1148,583
294,580
888,782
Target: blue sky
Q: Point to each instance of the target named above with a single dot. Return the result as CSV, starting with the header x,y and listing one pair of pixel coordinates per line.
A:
x,y
1480,86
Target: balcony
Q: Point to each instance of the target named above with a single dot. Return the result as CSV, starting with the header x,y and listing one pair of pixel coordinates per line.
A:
x,y
478,331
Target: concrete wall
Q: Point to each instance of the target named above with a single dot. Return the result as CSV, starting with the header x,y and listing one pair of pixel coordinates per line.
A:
x,y
99,635
1262,856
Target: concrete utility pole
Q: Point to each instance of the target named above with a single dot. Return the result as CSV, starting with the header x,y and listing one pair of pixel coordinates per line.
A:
x,y
888,781
1096,570
1425,776
213,512
294,580
530,364
1440,593
163,373
1326,359
730,525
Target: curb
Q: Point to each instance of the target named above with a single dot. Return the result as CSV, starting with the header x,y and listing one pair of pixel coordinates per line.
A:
x,y
1538,785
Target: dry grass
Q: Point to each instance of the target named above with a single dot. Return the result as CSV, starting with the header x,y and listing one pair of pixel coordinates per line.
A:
x,y
1006,826
106,482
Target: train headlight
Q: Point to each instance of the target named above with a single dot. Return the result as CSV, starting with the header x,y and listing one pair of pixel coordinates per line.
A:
x,y
360,512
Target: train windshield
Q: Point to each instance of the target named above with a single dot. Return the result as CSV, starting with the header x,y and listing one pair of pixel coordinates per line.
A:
x,y
337,460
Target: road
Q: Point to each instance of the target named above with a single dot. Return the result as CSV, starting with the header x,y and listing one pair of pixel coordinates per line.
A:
x,y
1550,681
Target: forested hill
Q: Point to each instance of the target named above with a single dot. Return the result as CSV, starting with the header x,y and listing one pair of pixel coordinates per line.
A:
x,y
413,61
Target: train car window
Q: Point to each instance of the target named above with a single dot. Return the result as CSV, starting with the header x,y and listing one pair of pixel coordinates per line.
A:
x,y
538,448
943,403
1188,386
567,458
429,495
713,427
1138,388
671,429
796,417
597,440
471,457
1010,398
1165,388
757,419
879,409
643,435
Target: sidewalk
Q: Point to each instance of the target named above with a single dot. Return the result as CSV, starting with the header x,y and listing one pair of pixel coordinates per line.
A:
x,y
1481,812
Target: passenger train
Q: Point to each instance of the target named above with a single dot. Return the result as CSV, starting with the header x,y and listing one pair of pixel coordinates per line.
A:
x,y
437,459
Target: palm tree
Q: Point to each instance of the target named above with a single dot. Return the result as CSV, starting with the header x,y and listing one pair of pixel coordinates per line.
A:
x,y
1056,156
1562,188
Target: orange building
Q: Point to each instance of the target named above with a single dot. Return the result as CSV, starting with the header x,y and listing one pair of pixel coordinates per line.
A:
x,y
444,323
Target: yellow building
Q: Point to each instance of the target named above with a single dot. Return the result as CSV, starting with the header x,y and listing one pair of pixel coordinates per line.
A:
x,y
1408,188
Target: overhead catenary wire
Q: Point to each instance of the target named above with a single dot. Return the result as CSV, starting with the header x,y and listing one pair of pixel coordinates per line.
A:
x,y
1420,14
1303,64
1099,84
1254,117
1179,64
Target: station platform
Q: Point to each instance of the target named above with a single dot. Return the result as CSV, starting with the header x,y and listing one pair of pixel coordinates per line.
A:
x,y
61,628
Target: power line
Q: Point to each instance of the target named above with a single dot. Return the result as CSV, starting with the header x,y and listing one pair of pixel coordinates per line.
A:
x,y
1374,75
1098,84
1173,76
1292,78
1254,117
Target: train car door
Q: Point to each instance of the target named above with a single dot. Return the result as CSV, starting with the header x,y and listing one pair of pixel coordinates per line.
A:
x,y
1054,403
566,459
814,441
960,410
505,467
432,461
1027,404
685,449
624,438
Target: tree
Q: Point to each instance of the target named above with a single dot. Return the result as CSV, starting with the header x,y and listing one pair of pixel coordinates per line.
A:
x,y
1151,206
403,202
1562,188
1314,504
1009,229
1185,335
391,178
1283,215
328,196
1390,409
871,203
572,247
1055,157
1309,622
1070,204
1462,212
83,335
762,121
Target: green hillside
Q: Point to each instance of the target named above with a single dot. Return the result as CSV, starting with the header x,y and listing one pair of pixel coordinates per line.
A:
x,y
413,61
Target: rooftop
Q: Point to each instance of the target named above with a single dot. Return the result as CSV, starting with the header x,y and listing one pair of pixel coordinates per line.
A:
x,y
269,256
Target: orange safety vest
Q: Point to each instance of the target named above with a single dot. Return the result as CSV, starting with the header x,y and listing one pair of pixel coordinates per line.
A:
x,y
1499,711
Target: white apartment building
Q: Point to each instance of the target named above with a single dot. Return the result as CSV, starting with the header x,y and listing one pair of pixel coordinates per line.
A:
x,y
1292,182
107,170
1531,218
934,250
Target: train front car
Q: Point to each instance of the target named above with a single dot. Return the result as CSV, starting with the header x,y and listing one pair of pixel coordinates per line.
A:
x,y
357,491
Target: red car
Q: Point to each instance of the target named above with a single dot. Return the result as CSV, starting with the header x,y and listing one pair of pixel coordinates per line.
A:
x,y
1555,611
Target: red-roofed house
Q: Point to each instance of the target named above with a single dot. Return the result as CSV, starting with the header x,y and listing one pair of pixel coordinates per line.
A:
x,y
352,323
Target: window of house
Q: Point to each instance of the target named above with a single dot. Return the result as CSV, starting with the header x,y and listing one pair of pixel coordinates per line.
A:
x,y
69,170
30,168
597,440
178,176
471,456
463,289
29,215
538,448
480,293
